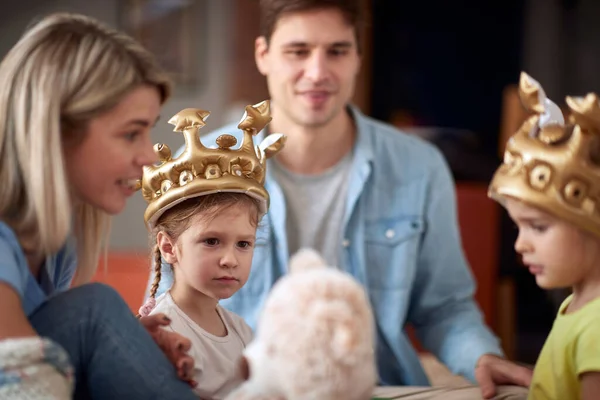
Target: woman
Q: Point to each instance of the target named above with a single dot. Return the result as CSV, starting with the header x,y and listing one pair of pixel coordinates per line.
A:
x,y
77,103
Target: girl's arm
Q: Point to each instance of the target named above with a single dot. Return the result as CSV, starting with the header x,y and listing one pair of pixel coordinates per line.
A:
x,y
590,385
30,367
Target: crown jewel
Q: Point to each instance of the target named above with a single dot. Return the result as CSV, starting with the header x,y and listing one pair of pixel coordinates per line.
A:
x,y
553,165
200,170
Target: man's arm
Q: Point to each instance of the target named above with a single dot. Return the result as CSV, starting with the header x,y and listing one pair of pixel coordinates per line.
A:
x,y
443,311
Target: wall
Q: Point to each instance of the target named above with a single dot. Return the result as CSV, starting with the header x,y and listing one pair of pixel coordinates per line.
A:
x,y
128,230
561,46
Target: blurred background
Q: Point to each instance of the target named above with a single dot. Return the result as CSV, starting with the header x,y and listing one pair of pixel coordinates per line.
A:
x,y
446,71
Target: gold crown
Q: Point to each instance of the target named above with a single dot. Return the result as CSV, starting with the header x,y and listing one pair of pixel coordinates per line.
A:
x,y
200,170
551,164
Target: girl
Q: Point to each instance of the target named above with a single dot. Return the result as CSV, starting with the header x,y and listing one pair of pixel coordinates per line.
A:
x,y
209,242
549,183
77,102
205,227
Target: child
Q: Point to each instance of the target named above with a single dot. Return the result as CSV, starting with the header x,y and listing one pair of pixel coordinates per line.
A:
x,y
77,103
204,209
550,185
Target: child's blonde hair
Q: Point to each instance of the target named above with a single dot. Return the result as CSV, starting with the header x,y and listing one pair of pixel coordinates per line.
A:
x,y
177,219
66,70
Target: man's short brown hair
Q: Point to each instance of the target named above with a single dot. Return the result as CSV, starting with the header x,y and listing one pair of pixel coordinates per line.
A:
x,y
272,10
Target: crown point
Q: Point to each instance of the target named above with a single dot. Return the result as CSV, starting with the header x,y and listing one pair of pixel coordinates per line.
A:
x,y
264,107
189,118
226,141
585,111
531,93
272,144
526,80
256,117
553,134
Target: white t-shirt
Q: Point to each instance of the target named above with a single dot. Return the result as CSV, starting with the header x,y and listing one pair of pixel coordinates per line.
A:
x,y
216,358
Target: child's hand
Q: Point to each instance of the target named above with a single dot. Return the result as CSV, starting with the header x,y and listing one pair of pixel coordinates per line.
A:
x,y
172,344
492,370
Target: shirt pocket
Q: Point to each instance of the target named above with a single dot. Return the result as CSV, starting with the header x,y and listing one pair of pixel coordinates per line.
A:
x,y
392,249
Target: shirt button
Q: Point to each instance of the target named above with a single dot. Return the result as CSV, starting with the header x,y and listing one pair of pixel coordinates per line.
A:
x,y
390,233
345,243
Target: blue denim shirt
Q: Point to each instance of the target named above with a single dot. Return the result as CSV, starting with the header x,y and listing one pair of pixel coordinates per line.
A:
x,y
401,241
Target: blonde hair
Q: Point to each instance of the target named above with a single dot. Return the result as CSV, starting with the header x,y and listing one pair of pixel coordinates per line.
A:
x,y
177,219
66,70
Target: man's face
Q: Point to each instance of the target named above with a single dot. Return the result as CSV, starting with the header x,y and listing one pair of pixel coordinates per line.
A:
x,y
311,64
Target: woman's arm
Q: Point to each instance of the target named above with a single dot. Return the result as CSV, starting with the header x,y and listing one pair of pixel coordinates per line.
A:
x,y
13,322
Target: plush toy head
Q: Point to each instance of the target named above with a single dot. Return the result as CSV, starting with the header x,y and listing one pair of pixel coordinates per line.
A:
x,y
315,338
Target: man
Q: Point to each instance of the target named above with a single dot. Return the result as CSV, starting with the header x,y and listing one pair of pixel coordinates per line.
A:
x,y
373,200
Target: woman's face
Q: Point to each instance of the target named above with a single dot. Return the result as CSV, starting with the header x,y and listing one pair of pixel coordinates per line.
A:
x,y
116,147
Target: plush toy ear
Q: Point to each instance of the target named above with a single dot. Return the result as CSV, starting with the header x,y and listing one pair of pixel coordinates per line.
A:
x,y
244,367
306,259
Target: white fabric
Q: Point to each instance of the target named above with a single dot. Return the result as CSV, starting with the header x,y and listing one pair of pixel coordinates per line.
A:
x,y
217,359
34,368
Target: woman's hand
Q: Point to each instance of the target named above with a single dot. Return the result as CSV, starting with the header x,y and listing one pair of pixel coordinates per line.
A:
x,y
172,344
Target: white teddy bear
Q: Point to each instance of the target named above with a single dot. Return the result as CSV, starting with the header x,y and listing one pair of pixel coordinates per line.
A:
x,y
314,340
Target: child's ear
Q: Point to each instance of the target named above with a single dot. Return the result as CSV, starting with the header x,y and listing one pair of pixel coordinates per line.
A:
x,y
166,245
